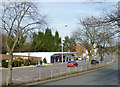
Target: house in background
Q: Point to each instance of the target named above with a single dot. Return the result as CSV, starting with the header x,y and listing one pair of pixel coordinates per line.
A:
x,y
80,49
82,52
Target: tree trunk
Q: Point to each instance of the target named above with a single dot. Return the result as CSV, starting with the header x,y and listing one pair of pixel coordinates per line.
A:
x,y
111,55
90,59
10,69
101,59
90,56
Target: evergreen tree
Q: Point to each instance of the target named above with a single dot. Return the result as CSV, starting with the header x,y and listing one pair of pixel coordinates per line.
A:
x,y
38,44
69,44
66,44
34,42
49,41
46,42
57,41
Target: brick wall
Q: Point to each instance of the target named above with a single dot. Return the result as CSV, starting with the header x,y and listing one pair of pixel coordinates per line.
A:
x,y
80,49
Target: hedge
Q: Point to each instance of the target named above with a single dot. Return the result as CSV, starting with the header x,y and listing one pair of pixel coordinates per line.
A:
x,y
32,63
17,63
26,62
4,63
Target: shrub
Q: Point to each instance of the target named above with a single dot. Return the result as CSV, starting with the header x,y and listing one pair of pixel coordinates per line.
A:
x,y
32,63
26,62
17,63
4,63
44,60
20,59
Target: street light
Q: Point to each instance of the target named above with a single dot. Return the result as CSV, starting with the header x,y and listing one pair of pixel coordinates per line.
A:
x,y
62,51
62,45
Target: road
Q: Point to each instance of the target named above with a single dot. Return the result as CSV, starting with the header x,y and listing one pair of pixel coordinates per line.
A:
x,y
106,76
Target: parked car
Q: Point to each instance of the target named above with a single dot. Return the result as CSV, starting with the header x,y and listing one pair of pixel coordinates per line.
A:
x,y
76,58
80,58
72,63
94,61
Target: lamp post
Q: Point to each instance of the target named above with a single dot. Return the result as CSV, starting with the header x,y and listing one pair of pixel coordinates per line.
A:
x,y
62,52
62,45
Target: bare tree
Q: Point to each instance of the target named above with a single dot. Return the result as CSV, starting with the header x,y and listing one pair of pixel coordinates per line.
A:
x,y
93,34
113,19
19,18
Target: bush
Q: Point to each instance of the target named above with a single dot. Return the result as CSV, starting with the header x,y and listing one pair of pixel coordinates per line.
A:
x,y
26,62
17,63
20,59
44,60
32,63
4,63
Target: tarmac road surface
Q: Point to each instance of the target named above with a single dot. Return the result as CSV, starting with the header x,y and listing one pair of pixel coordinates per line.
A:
x,y
106,76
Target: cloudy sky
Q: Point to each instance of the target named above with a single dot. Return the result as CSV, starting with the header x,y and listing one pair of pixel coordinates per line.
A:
x,y
61,13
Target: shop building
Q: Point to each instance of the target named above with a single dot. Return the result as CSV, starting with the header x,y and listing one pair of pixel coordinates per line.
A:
x,y
51,57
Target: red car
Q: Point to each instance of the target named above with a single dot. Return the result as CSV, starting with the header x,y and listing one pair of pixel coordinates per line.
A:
x,y
76,58
72,63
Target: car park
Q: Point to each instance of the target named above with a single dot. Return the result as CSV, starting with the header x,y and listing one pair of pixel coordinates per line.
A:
x,y
94,61
72,63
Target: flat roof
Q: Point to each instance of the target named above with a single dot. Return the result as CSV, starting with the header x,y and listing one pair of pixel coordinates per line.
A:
x,y
39,54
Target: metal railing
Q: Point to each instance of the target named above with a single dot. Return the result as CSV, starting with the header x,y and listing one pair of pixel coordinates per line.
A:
x,y
44,75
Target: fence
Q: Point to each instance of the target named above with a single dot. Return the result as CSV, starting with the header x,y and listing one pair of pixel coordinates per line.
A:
x,y
44,75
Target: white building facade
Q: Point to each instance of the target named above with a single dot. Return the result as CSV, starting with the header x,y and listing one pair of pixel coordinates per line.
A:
x,y
51,57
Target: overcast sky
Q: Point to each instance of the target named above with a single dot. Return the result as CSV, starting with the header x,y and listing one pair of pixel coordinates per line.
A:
x,y
61,13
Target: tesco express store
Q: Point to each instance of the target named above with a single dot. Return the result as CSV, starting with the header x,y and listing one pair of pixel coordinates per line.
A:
x,y
51,57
